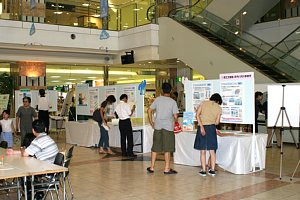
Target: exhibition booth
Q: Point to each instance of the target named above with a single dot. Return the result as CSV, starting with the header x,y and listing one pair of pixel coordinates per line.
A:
x,y
239,151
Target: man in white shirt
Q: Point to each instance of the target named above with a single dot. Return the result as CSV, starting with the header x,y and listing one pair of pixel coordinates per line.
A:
x,y
124,113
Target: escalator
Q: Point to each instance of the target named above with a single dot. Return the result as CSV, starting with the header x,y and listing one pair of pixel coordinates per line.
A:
x,y
289,43
261,56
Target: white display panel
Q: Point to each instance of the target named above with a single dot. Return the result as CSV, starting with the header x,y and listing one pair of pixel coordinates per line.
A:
x,y
237,91
134,98
291,104
82,99
34,94
198,91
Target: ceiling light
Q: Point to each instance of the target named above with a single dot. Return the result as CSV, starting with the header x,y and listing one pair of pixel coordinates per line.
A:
x,y
54,81
297,32
137,81
54,76
85,4
236,32
96,15
136,9
149,62
204,23
58,12
91,72
244,13
71,79
92,77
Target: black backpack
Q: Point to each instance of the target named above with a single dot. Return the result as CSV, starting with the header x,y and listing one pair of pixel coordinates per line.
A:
x,y
96,115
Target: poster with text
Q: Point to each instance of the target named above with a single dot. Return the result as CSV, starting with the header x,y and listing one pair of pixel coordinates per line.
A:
x,y
3,102
82,94
131,93
237,90
111,91
201,92
94,100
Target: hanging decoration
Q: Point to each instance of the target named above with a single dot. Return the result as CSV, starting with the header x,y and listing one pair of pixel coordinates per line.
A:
x,y
104,16
32,29
142,87
32,7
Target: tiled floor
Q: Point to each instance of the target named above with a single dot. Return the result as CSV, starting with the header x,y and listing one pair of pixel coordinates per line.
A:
x,y
98,176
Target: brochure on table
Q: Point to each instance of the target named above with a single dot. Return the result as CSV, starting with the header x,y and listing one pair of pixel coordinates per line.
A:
x,y
34,94
96,95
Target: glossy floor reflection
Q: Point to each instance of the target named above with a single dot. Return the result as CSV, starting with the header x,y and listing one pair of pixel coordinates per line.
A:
x,y
99,176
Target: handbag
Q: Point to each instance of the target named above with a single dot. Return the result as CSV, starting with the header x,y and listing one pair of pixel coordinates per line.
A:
x,y
177,128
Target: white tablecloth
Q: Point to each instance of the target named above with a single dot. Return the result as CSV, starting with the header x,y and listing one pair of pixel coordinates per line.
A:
x,y
233,154
88,134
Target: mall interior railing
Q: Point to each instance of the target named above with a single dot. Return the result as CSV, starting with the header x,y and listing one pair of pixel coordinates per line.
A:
x,y
77,13
290,42
250,47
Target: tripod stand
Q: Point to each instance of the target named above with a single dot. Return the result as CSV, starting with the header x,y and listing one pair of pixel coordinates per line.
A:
x,y
282,113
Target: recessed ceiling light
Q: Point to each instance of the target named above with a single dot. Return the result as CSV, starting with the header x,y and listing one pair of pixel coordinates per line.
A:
x,y
58,12
55,81
136,9
149,62
85,4
92,77
244,13
54,76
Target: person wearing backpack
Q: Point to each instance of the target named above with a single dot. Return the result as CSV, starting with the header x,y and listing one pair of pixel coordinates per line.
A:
x,y
101,118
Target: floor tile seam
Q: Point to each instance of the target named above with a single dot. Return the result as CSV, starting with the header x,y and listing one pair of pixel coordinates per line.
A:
x,y
244,191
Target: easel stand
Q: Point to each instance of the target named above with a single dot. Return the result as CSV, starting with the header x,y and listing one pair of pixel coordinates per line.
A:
x,y
283,113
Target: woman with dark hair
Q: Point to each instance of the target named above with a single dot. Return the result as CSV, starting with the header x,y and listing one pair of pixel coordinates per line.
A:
x,y
208,116
104,139
43,108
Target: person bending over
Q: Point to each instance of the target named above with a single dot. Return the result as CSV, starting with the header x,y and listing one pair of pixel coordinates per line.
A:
x,y
208,116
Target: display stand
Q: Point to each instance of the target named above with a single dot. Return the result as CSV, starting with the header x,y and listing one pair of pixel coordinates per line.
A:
x,y
282,113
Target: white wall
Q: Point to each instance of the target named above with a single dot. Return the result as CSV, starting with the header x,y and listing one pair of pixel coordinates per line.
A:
x,y
49,41
273,32
226,9
202,55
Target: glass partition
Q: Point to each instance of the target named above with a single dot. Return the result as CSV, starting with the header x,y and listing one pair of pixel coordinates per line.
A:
x,y
82,13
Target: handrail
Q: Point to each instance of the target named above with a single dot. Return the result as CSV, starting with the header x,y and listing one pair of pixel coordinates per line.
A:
x,y
155,6
246,42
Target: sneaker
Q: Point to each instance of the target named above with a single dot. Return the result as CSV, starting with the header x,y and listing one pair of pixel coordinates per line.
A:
x,y
211,172
202,173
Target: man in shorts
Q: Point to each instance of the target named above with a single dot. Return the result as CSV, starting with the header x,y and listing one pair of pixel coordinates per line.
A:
x,y
163,137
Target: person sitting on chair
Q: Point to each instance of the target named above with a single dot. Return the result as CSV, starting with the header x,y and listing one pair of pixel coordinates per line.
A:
x,y
43,146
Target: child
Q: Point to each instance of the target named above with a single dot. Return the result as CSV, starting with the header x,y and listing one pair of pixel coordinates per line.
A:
x,y
7,129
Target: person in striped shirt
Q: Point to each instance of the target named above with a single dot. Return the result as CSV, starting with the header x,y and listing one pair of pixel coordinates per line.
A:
x,y
43,146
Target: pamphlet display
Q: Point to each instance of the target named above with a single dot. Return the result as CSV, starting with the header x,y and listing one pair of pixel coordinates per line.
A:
x,y
188,121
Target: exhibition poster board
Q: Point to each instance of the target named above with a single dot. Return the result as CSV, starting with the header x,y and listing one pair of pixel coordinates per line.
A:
x,y
51,95
82,99
96,95
4,98
94,99
237,91
291,104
